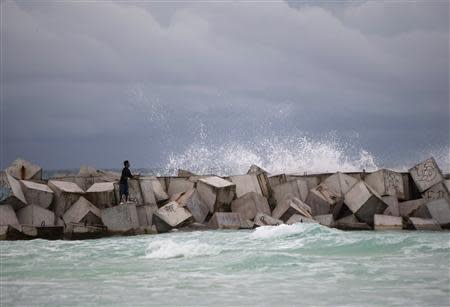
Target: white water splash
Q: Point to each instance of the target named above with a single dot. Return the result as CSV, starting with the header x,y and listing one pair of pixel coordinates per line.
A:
x,y
269,232
167,249
287,155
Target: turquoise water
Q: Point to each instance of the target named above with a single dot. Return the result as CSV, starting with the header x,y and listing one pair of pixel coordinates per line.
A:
x,y
302,264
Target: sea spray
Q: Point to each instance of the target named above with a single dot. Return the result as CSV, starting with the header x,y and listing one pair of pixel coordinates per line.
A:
x,y
292,154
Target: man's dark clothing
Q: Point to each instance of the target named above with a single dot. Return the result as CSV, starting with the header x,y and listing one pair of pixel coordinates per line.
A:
x,y
125,175
123,189
123,183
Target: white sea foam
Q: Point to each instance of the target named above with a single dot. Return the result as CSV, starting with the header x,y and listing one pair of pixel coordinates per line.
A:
x,y
269,232
167,248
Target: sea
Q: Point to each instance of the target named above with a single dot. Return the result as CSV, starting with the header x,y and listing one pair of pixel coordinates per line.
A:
x,y
286,265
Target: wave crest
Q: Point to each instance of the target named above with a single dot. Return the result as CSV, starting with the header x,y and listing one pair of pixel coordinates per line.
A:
x,y
167,249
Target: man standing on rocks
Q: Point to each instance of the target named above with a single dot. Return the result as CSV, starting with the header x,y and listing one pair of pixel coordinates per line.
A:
x,y
123,183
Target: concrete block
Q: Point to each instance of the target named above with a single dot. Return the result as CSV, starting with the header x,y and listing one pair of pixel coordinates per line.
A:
x,y
185,173
121,218
148,194
245,184
277,179
65,195
13,232
159,189
263,180
393,208
145,214
311,180
134,192
440,211
262,219
17,200
83,212
289,207
325,220
84,232
5,189
250,204
35,216
447,184
101,195
49,232
225,220
174,215
179,185
386,183
297,218
296,188
364,202
255,169
217,193
439,190
426,174
407,208
387,222
8,216
37,193
195,204
327,197
351,223
24,170
424,224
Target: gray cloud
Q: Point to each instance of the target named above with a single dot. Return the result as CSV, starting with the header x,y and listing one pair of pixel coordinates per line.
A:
x,y
98,81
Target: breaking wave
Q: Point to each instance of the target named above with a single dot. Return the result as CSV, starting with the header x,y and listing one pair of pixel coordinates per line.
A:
x,y
167,249
276,155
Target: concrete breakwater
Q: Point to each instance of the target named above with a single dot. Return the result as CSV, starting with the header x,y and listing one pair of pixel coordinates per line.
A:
x,y
86,205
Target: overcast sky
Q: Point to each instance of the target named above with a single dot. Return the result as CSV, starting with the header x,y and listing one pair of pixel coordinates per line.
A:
x,y
99,82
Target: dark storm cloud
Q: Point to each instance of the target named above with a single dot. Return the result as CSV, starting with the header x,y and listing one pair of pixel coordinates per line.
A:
x,y
91,82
